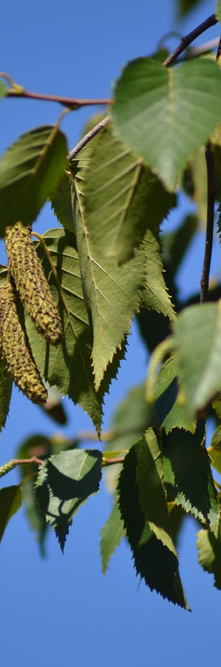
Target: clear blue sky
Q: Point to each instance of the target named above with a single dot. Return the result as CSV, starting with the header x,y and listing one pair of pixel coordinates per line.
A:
x,y
62,610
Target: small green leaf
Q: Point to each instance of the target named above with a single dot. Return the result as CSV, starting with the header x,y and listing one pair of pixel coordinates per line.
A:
x,y
170,413
153,561
61,202
122,198
10,503
209,548
64,484
156,295
165,114
111,536
5,393
29,172
152,492
187,474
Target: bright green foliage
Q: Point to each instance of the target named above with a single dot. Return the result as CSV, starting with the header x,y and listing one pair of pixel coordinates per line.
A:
x,y
209,548
154,562
64,484
155,296
61,202
166,114
111,536
187,474
122,198
169,412
29,172
10,503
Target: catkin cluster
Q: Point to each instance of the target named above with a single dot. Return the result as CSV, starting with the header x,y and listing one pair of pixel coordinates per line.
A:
x,y
30,281
15,347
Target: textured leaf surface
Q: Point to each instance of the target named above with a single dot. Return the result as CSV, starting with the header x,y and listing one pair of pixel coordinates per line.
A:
x,y
111,536
152,492
112,294
5,393
122,198
156,295
153,561
10,503
197,334
64,483
166,114
61,203
209,548
170,413
187,473
69,365
29,172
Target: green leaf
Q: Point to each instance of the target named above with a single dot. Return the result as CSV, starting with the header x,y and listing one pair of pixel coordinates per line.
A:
x,y
170,413
153,561
197,334
111,536
152,492
112,294
185,6
187,474
64,484
61,202
10,503
3,89
122,198
218,10
68,366
165,114
215,450
5,393
29,172
209,548
54,407
156,295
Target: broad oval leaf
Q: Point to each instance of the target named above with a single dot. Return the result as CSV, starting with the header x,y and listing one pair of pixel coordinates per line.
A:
x,y
29,172
166,114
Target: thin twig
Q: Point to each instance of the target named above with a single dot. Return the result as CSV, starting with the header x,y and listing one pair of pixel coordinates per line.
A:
x,y
211,185
69,102
88,137
188,39
109,462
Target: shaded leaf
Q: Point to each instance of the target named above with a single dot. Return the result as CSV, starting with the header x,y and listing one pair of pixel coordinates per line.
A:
x,y
153,561
209,548
111,536
5,393
187,474
122,198
170,413
165,114
29,172
185,6
215,450
54,407
64,483
10,503
197,172
61,203
152,492
156,295
112,294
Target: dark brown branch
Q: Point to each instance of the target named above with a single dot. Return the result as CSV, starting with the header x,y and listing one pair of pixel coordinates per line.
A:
x,y
188,39
211,185
69,102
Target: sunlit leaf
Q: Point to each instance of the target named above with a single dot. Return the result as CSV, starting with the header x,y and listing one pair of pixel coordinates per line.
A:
x,y
111,536
10,503
122,198
156,295
64,484
187,474
165,114
153,561
170,413
209,548
29,172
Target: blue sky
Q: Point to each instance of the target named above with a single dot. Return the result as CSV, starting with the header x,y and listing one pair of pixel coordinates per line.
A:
x,y
62,609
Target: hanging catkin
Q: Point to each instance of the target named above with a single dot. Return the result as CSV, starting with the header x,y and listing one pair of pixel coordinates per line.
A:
x,y
30,281
15,347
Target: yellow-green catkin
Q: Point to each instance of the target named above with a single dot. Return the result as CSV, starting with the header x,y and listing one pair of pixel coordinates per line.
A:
x,y
30,281
15,347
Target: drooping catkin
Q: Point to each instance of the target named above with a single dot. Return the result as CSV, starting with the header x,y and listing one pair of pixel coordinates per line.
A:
x,y
15,347
30,281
